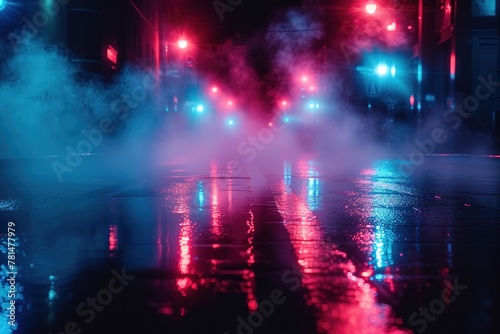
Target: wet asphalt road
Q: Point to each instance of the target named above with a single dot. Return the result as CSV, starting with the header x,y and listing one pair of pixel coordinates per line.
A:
x,y
289,248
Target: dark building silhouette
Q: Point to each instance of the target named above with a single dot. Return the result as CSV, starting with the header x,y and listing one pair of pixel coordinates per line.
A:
x,y
102,36
458,50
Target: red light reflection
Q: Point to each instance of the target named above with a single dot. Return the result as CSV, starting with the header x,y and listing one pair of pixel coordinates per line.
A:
x,y
113,238
215,211
357,306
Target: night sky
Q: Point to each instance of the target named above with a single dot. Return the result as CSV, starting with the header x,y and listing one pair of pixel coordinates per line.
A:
x,y
247,19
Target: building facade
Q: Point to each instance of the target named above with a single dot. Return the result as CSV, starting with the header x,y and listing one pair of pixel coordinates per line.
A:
x,y
456,54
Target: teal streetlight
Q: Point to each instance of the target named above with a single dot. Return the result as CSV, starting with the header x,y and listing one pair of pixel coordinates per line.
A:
x,y
381,70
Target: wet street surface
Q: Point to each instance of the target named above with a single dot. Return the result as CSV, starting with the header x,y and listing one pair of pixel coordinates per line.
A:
x,y
289,248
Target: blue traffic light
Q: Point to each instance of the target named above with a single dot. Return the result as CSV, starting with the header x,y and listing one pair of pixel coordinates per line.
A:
x,y
381,70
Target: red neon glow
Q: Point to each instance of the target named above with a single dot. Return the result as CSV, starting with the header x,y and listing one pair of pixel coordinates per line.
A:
x,y
216,214
249,276
182,43
412,101
229,103
371,8
112,54
391,27
113,237
363,310
367,273
452,65
215,89
304,78
252,305
284,103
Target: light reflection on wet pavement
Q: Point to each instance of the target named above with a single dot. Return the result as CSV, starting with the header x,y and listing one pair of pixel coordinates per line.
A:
x,y
311,252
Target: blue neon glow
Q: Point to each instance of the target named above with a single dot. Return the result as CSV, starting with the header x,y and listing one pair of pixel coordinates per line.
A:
x,y
313,188
200,108
230,122
3,4
385,218
313,105
419,72
393,71
313,198
381,70
287,176
201,196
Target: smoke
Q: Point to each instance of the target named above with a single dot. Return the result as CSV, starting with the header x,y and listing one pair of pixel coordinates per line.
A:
x,y
44,103
293,38
38,103
48,109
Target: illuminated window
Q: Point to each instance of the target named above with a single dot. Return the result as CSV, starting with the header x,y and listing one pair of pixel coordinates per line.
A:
x,y
112,54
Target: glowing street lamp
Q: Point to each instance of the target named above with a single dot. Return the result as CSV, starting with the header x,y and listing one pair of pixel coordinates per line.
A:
x,y
393,71
3,4
182,43
381,70
371,8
